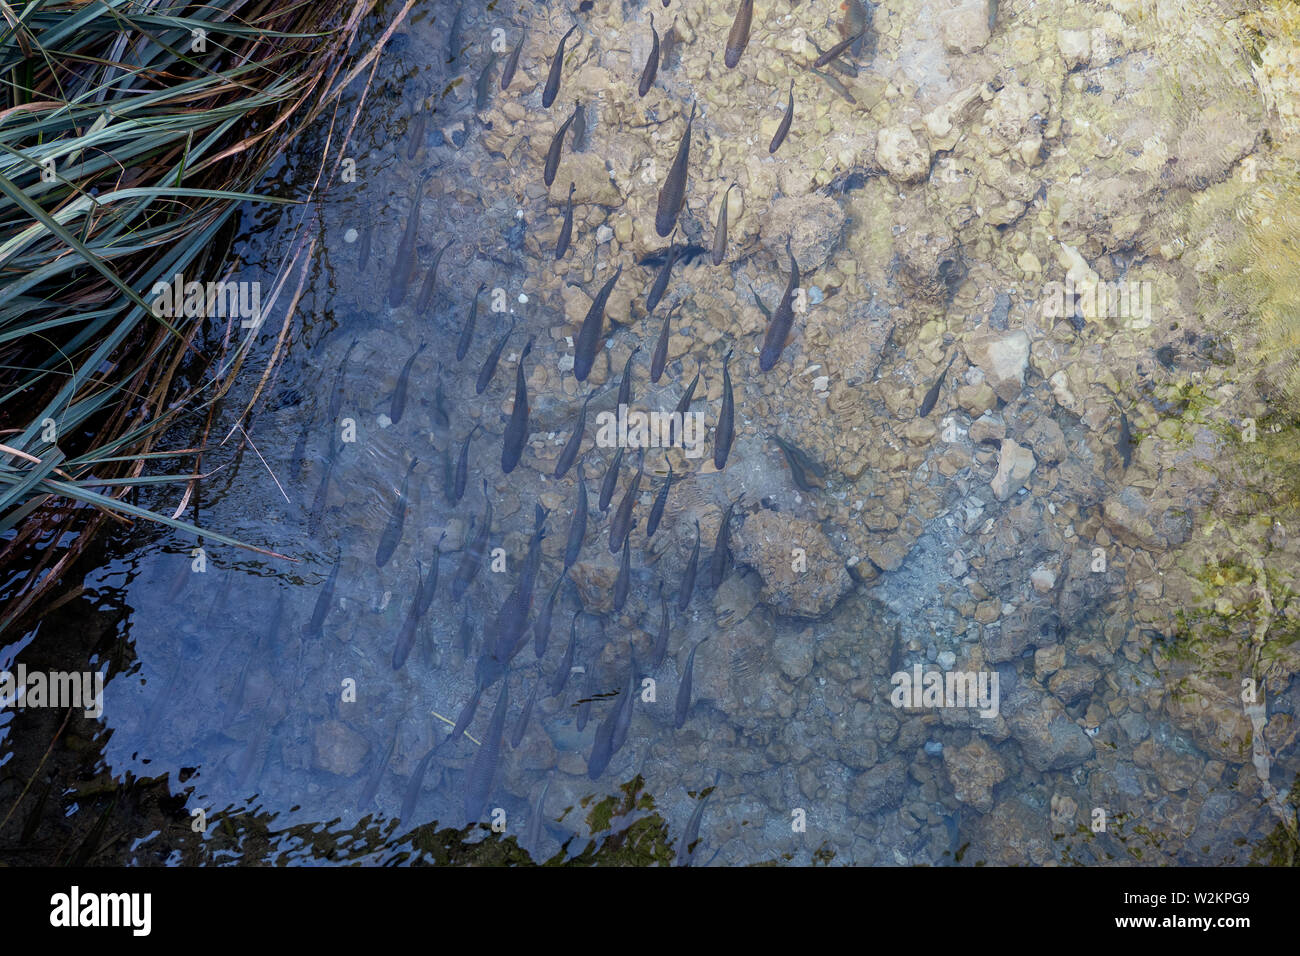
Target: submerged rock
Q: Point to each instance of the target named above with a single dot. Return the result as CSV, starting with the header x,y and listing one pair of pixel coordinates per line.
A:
x,y
802,573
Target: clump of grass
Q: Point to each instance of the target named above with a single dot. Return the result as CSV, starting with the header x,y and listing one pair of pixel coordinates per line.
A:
x,y
130,133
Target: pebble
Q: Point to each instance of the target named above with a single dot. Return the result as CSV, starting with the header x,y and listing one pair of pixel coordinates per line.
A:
x,y
934,748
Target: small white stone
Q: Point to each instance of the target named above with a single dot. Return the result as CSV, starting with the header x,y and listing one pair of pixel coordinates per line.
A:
x,y
350,235
566,363
604,234
821,383
523,299
384,421
946,659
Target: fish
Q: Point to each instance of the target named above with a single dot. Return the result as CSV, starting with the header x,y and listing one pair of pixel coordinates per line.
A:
x,y
406,636
448,476
522,724
1124,443
363,251
767,313
512,621
425,298
651,63
324,601
512,62
454,46
687,587
661,638
808,475
533,835
837,50
726,420
566,662
416,784
611,480
584,703
837,64
542,626
377,775
577,524
682,408
673,193
571,447
660,285
322,492
553,78
720,233
621,524
566,227
404,258
993,14
778,330
932,396
855,24
837,86
625,383
466,632
738,38
685,254
490,363
683,704
439,410
556,147
690,836
589,336
722,545
462,467
779,137
398,404
419,123
483,87
661,499
467,332
336,396
517,426
388,541
578,138
623,583
473,559
484,768
466,715
602,746
619,722
660,357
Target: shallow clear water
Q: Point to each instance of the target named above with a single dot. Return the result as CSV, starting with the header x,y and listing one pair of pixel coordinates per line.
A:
x,y
913,561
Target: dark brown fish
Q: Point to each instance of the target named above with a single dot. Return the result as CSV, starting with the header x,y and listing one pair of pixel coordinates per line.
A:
x,y
462,468
808,475
484,768
512,62
683,705
472,561
556,147
393,533
363,253
589,336
778,330
415,138
621,524
377,775
660,285
566,227
673,193
517,426
430,282
611,481
855,23
838,64
726,420
625,384
720,233
690,836
490,363
465,717
932,396
1124,443
518,735
404,258
542,626
738,38
406,636
683,406
398,405
623,583
416,784
566,662
481,88
661,499
836,51
661,638
324,602
508,627
651,63
577,524
571,447
687,587
578,137
660,357
553,78
837,86
784,128
467,333
722,546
